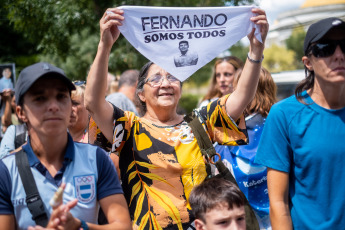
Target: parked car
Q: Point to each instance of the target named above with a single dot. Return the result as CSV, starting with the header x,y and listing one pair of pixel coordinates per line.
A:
x,y
287,81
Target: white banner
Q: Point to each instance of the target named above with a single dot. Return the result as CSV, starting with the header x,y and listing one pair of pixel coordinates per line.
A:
x,y
181,40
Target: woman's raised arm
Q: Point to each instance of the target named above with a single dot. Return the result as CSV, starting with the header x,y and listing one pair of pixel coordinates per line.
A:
x,y
95,91
248,82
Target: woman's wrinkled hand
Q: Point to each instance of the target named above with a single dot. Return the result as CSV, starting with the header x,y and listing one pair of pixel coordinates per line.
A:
x,y
261,20
112,18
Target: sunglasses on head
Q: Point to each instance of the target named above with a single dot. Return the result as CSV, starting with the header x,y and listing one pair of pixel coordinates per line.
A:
x,y
326,48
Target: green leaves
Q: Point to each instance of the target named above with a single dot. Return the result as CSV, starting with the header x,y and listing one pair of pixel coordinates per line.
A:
x,y
66,32
51,23
295,43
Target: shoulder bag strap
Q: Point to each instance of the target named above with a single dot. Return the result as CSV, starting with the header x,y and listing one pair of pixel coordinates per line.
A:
x,y
33,199
20,135
208,150
206,146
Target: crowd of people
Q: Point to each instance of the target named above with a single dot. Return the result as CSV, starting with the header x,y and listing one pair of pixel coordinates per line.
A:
x,y
82,156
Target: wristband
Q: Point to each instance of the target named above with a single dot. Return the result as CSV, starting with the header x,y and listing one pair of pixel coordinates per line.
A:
x,y
255,61
83,225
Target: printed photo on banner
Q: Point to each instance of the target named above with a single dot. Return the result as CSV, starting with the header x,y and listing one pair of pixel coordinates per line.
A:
x,y
182,40
185,57
8,77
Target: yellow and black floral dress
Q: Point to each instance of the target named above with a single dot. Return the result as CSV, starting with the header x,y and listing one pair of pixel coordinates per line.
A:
x,y
160,165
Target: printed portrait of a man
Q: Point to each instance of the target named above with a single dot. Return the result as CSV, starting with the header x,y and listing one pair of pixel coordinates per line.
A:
x,y
186,57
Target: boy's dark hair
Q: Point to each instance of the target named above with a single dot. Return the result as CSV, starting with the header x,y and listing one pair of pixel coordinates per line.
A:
x,y
212,193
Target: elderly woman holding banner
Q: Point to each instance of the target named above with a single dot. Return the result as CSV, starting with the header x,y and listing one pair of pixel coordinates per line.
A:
x,y
159,158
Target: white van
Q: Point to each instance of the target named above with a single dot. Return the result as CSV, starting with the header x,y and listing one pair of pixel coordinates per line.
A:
x,y
287,81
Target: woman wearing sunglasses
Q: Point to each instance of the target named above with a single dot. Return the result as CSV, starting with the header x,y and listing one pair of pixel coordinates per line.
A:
x,y
159,158
303,139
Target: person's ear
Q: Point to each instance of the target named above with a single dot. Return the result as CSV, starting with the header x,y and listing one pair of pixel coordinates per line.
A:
x,y
21,113
307,63
199,224
142,96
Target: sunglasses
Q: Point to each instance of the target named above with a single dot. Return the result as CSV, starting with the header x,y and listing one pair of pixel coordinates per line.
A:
x,y
79,83
326,48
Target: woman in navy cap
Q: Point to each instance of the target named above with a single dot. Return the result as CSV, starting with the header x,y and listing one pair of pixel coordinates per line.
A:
x,y
303,139
85,172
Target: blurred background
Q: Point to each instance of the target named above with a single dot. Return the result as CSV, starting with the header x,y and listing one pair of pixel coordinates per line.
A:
x,y
66,33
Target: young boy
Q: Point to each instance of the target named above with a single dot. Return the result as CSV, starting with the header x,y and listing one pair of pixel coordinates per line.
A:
x,y
218,204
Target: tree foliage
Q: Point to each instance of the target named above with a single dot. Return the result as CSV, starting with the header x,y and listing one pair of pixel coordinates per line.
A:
x,y
295,43
50,24
66,32
239,50
188,102
278,58
14,46
288,57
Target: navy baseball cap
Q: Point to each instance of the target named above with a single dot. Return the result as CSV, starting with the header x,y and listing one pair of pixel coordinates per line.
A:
x,y
29,75
319,29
